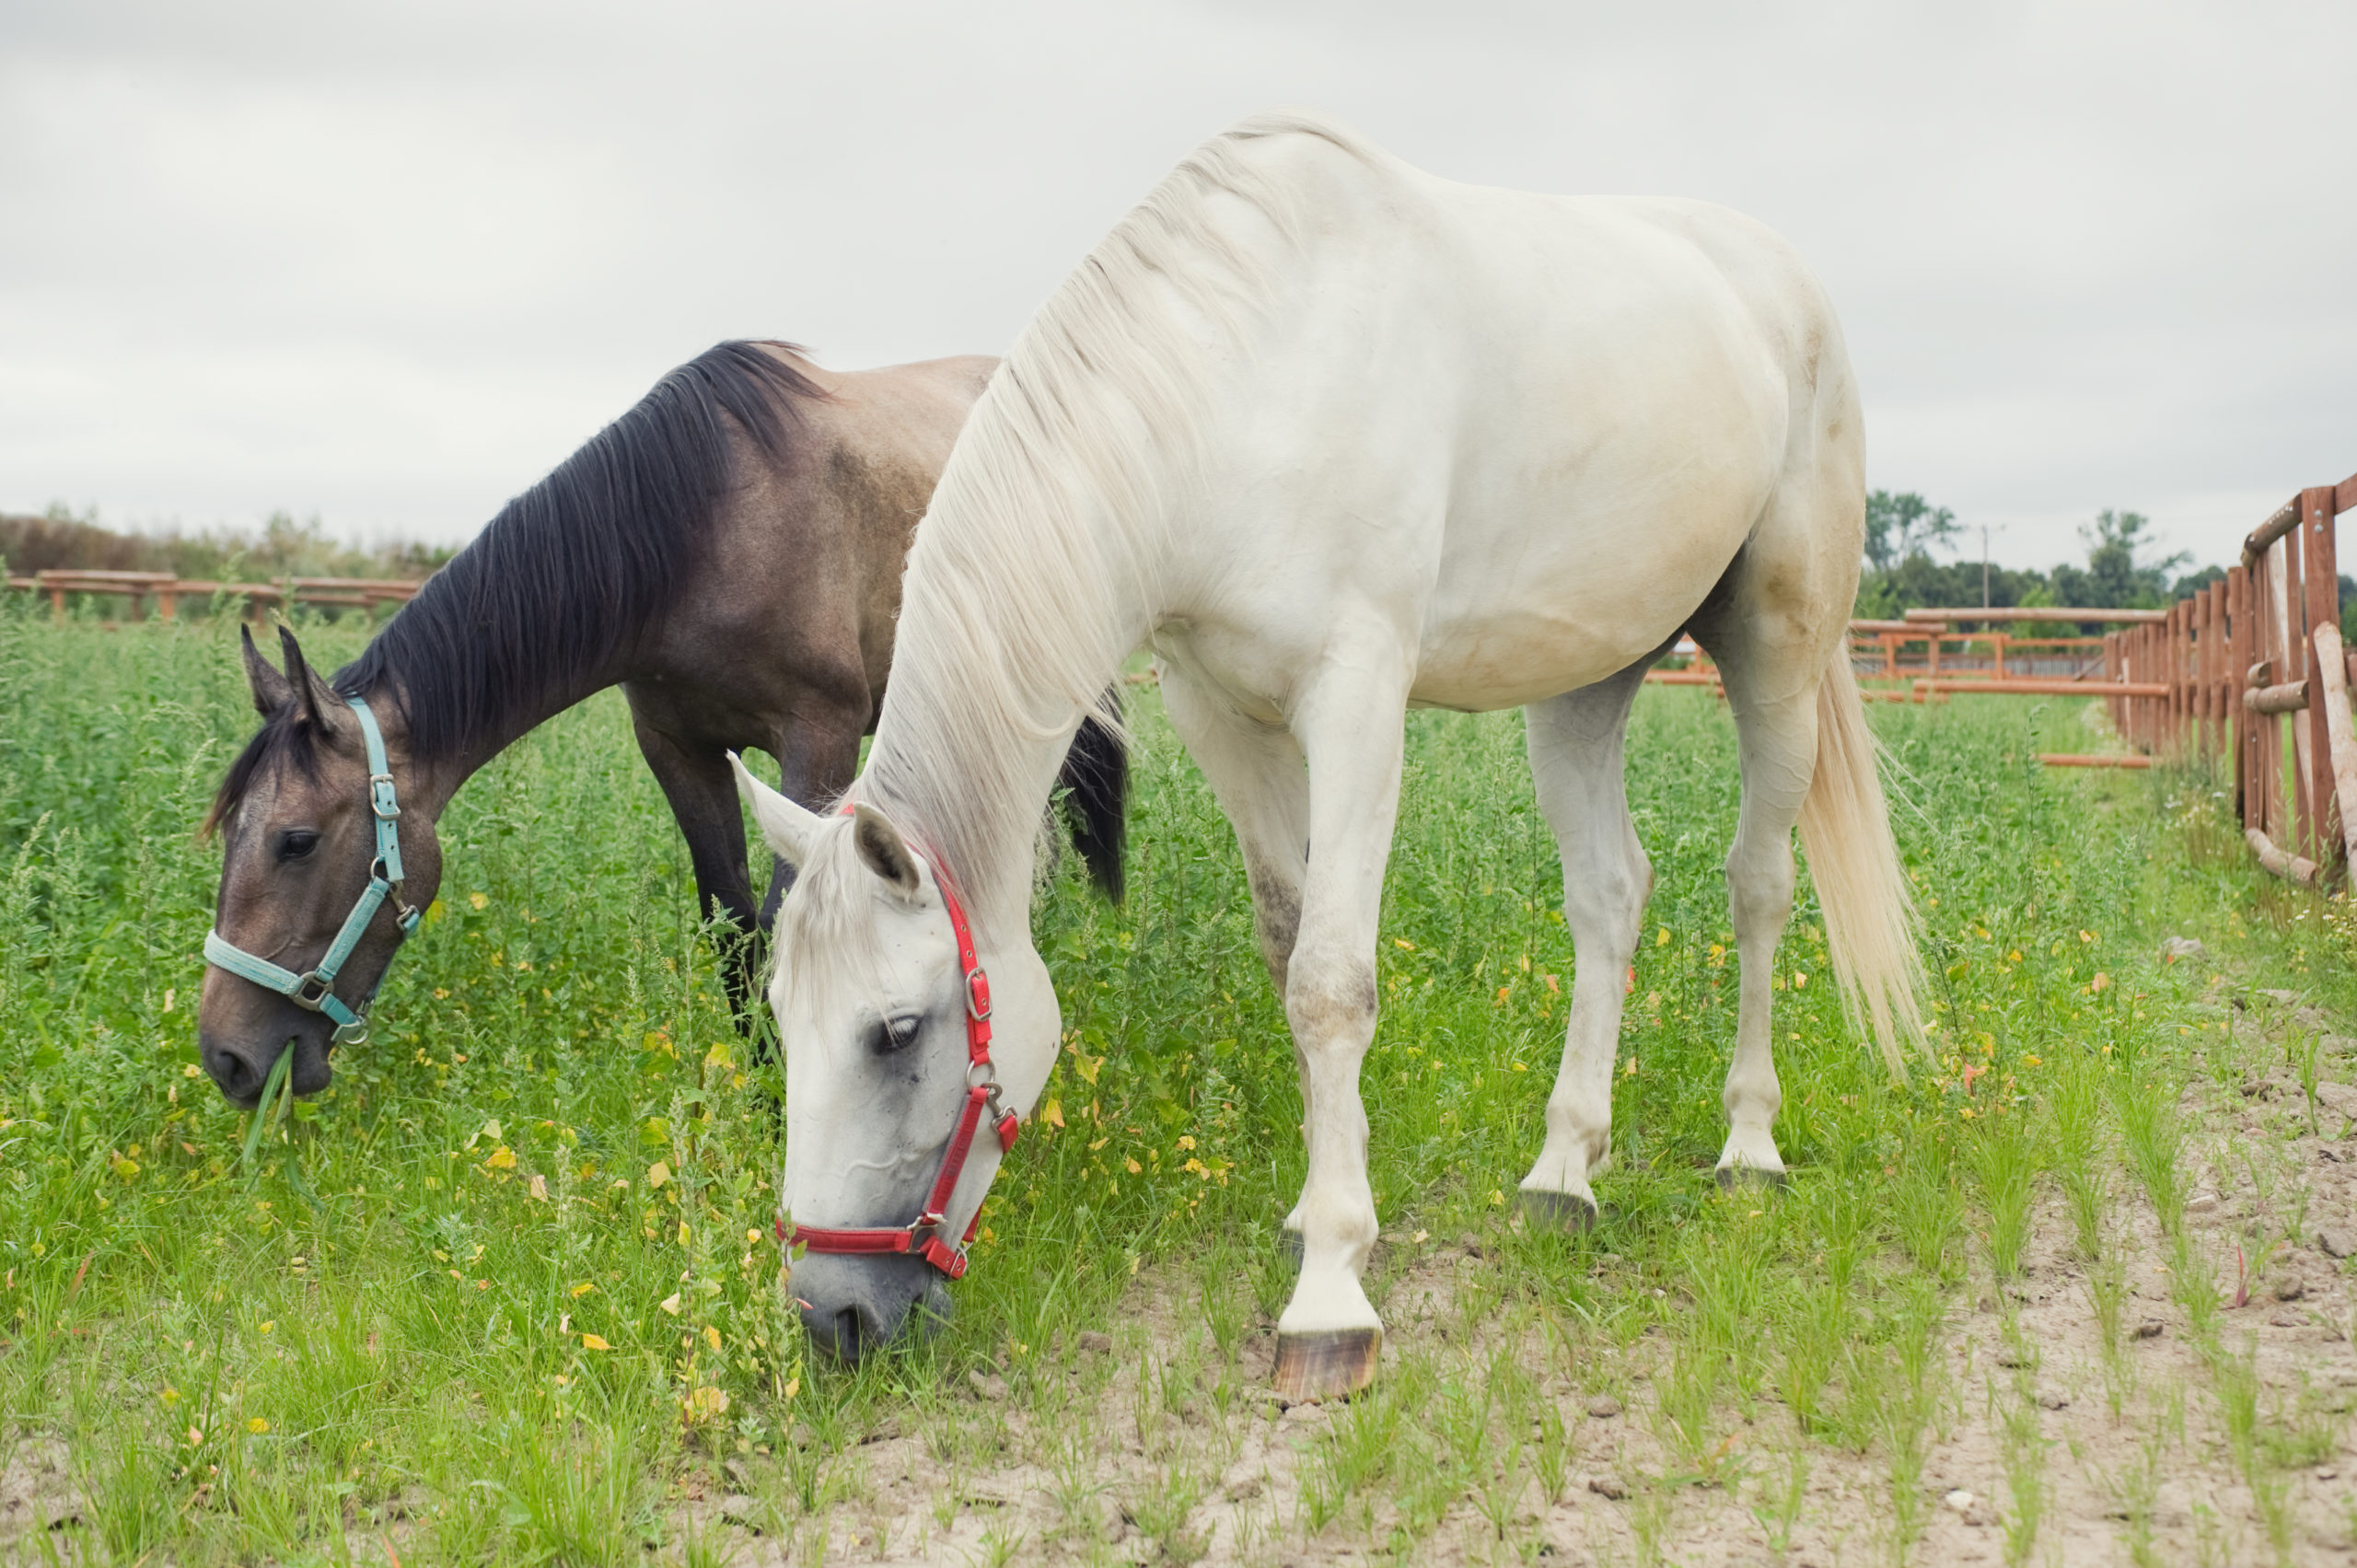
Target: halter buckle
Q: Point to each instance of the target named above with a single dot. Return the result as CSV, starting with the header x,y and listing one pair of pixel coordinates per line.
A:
x,y
977,995
380,797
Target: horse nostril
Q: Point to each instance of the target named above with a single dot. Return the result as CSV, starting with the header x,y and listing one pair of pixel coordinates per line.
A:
x,y
232,1072
847,1331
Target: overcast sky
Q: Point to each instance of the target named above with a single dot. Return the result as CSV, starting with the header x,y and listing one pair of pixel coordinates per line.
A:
x,y
388,264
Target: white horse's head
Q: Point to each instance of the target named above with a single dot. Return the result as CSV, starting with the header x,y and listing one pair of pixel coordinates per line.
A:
x,y
873,1008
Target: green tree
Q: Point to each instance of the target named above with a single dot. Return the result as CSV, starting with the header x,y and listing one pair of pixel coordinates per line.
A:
x,y
1904,525
2120,573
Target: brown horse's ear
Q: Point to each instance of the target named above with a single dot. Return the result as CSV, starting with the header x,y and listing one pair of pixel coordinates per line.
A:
x,y
271,689
320,707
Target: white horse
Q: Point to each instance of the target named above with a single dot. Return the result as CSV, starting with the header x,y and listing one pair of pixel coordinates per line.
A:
x,y
1336,438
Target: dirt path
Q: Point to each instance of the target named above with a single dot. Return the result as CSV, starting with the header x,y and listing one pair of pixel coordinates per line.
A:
x,y
2041,1445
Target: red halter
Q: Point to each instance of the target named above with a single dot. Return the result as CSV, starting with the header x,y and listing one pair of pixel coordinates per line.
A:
x,y
923,1235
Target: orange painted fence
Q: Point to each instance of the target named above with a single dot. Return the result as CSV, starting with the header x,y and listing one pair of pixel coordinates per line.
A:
x,y
1922,659
2270,681
2251,668
167,590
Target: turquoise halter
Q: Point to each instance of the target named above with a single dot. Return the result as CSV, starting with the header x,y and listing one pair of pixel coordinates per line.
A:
x,y
316,990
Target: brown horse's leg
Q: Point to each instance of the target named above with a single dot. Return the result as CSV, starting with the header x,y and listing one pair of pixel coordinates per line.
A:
x,y
703,794
816,760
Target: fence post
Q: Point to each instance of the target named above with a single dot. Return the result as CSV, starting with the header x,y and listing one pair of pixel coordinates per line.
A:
x,y
2116,652
2178,632
2204,669
2323,582
2142,669
2238,659
2221,731
2186,651
2197,672
2220,728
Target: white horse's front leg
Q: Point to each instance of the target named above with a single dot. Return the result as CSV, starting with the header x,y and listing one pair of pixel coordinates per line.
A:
x,y
1255,774
1329,1338
1575,760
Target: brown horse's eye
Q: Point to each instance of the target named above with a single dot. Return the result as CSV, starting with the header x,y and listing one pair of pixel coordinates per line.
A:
x,y
294,845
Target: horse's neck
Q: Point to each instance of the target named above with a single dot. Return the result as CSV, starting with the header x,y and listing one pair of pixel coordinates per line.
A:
x,y
1003,905
438,778
994,785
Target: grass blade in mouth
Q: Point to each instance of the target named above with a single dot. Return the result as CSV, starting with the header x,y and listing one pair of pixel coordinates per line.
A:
x,y
282,1073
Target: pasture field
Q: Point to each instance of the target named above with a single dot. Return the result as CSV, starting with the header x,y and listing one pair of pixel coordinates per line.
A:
x,y
508,1291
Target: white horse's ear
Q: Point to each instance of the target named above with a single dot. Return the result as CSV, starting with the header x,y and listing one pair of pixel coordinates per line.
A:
x,y
786,826
883,851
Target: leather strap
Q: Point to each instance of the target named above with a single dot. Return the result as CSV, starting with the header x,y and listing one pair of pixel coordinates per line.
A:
x,y
316,990
923,1235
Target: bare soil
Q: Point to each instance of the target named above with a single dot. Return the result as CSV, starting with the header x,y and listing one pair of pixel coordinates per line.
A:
x,y
2155,1480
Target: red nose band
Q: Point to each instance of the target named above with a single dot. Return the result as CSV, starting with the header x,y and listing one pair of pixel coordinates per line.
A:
x,y
923,1236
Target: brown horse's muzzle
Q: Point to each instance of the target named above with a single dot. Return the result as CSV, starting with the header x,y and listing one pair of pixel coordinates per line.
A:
x,y
242,1031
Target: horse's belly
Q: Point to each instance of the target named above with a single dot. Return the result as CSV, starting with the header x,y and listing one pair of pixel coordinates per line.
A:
x,y
1522,652
1549,593
1512,661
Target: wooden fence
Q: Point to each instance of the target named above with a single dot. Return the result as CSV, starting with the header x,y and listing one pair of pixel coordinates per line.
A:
x,y
2265,677
2250,669
1922,659
167,590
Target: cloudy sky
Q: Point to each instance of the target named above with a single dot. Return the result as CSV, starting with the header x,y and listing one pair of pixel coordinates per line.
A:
x,y
388,264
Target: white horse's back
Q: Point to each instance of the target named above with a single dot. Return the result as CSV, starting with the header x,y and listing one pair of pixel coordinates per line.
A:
x,y
1532,430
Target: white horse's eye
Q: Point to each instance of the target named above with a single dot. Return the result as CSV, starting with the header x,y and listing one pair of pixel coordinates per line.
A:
x,y
893,1034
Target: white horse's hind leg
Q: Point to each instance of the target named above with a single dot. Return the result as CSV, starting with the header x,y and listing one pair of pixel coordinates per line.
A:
x,y
1256,773
1771,687
1349,721
1576,747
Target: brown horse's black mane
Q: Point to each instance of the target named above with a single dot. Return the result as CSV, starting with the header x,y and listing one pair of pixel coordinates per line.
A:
x,y
574,567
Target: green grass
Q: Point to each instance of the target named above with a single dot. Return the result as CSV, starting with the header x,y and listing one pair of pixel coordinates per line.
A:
x,y
508,1292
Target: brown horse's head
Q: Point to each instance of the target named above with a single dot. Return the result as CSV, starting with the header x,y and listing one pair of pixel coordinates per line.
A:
x,y
298,839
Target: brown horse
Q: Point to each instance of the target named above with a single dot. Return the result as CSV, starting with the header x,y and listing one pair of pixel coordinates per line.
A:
x,y
728,553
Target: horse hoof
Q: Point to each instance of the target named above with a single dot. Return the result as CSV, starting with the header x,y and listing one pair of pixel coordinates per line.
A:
x,y
1330,1363
1731,1177
1289,1248
1564,1211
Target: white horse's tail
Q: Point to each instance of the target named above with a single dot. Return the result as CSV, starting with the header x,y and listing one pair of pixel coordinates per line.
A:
x,y
1868,902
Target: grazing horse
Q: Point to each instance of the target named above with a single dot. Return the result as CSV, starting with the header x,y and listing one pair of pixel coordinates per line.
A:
x,y
730,552
1336,439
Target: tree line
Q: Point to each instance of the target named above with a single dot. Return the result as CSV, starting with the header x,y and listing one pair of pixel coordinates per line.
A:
x,y
282,547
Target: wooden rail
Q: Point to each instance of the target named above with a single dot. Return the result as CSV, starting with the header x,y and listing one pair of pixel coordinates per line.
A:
x,y
1931,659
2251,668
2279,671
167,590
2041,612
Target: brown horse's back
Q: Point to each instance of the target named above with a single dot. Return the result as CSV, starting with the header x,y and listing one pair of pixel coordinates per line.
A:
x,y
783,636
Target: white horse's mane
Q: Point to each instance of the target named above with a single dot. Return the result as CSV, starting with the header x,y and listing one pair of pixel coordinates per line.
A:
x,y
1038,550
